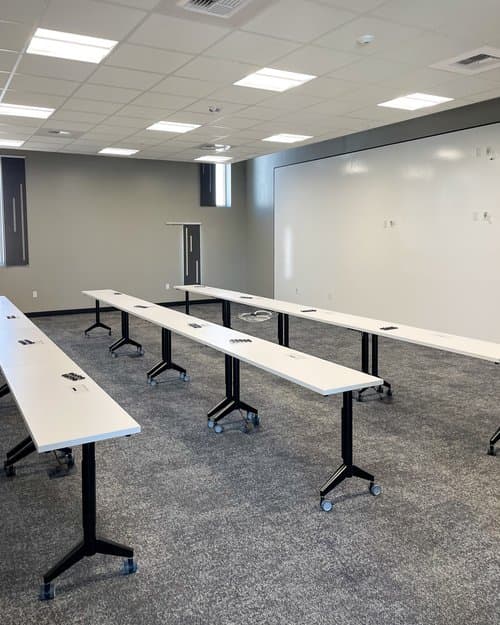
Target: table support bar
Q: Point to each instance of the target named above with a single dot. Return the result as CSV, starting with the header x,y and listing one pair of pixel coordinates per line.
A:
x,y
97,323
347,469
493,441
91,544
284,329
125,338
166,358
365,364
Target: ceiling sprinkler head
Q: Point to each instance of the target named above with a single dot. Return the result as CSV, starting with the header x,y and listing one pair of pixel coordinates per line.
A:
x,y
365,39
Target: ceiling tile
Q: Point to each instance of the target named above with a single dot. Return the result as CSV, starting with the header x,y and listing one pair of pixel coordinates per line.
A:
x,y
250,48
172,33
325,87
146,5
7,60
387,35
36,84
371,70
54,68
218,70
234,121
144,112
185,86
119,77
262,112
241,95
72,126
298,20
85,17
354,5
163,100
26,11
91,106
77,116
107,94
147,59
13,36
32,99
290,101
315,60
121,121
463,86
3,78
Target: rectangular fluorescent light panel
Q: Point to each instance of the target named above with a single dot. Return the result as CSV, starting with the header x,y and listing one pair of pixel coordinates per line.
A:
x,y
118,151
173,127
10,143
213,159
70,46
274,79
415,101
287,138
20,110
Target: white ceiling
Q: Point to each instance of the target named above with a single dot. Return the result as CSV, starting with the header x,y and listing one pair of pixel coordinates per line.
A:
x,y
172,65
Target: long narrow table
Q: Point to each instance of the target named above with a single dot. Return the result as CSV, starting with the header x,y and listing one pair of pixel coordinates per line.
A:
x,y
320,376
465,346
61,407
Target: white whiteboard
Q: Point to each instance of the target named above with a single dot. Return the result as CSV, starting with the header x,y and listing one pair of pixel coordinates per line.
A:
x,y
437,267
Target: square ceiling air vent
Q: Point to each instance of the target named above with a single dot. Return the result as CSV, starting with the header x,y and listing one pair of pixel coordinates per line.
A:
x,y
215,8
473,62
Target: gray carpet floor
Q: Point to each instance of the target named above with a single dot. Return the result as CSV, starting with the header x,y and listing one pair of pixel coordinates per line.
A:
x,y
227,528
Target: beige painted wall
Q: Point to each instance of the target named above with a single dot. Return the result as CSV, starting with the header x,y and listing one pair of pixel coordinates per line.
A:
x,y
98,222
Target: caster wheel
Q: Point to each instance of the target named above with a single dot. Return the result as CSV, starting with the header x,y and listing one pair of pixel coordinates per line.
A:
x,y
255,419
129,566
70,460
185,377
140,352
245,429
210,424
10,471
326,505
389,393
375,489
152,382
109,333
47,592
218,429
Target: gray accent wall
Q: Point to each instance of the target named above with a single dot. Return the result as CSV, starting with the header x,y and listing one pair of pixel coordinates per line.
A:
x,y
260,175
98,222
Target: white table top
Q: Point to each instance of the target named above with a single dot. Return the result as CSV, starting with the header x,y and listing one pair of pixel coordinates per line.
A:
x,y
58,412
466,346
320,376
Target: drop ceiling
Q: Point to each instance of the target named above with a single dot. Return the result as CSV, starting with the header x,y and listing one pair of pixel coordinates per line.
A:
x,y
172,65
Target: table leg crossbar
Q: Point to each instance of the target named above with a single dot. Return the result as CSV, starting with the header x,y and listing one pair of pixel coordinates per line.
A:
x,y
347,469
91,543
125,338
27,447
232,400
97,323
365,365
166,359
4,390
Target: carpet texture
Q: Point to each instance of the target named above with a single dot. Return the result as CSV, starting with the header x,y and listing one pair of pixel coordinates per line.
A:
x,y
227,528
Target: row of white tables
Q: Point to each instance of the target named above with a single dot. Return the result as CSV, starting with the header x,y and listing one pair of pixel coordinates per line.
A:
x,y
320,376
475,348
62,407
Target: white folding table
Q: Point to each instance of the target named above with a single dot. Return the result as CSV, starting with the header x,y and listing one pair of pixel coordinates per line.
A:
x,y
320,376
475,348
61,407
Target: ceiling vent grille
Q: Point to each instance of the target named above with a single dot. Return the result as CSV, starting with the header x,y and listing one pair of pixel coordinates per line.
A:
x,y
215,8
473,62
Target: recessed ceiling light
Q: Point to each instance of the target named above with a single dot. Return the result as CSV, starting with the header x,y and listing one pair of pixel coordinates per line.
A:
x,y
173,127
213,159
70,46
287,138
415,101
118,151
274,79
10,143
20,110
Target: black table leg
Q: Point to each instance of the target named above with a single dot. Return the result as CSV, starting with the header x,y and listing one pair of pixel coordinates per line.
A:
x,y
365,365
20,451
166,359
4,390
226,314
232,400
347,469
125,338
284,329
91,544
98,323
186,302
493,440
